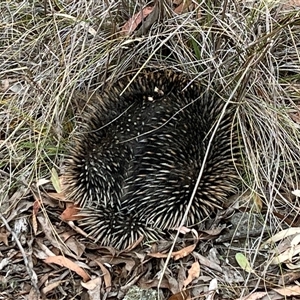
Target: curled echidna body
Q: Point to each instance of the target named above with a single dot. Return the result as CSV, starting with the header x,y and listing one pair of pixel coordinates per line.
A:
x,y
134,164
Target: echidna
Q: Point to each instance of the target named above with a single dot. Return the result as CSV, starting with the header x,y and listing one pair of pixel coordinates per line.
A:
x,y
133,165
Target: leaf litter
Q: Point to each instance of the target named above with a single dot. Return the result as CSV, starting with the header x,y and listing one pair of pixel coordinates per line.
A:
x,y
55,253
97,272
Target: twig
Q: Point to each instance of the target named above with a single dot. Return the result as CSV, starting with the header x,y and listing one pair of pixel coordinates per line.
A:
x,y
31,273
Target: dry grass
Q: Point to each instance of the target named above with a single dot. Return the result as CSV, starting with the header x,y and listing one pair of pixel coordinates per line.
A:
x,y
54,53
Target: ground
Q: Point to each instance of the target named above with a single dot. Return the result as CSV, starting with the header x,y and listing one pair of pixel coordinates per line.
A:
x,y
54,54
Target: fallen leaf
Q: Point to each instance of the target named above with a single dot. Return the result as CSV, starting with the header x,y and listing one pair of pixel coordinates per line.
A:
x,y
158,255
71,213
184,252
93,289
288,278
74,245
58,196
148,284
289,291
210,233
47,228
176,255
285,256
193,272
36,206
243,262
44,251
174,284
65,262
254,296
4,237
92,284
281,235
4,262
207,262
35,210
183,7
291,4
106,275
183,295
213,289
48,288
137,19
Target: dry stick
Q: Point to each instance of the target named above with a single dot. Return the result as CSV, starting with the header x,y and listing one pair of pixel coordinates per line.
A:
x,y
31,273
202,168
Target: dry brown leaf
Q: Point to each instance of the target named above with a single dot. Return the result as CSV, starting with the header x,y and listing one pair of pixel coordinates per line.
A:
x,y
51,286
71,213
4,236
35,210
174,284
106,275
74,245
291,4
158,255
58,196
44,251
183,295
93,289
33,294
67,234
254,296
205,235
181,276
47,228
208,263
65,262
131,25
148,284
289,291
183,7
288,278
92,284
129,263
184,252
176,255
36,206
44,278
194,272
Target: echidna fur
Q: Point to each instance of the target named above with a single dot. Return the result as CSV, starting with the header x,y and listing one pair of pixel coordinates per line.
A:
x,y
133,165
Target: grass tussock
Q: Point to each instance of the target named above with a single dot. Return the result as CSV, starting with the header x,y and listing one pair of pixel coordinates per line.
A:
x,y
54,54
